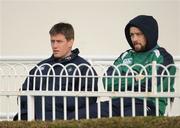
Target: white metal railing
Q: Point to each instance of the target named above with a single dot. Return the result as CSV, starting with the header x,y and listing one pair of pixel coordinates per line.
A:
x,y
12,76
35,59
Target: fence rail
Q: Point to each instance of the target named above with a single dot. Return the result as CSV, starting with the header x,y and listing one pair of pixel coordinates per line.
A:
x,y
35,59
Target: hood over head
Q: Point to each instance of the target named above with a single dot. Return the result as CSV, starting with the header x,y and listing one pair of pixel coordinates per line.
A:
x,y
148,25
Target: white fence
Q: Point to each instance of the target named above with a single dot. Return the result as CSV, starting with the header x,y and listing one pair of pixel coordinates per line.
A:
x,y
12,75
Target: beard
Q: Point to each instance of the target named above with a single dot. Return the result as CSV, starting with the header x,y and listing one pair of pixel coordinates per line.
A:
x,y
139,47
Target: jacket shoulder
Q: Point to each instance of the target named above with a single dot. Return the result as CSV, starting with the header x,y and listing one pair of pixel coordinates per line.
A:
x,y
123,55
40,63
167,57
80,60
48,60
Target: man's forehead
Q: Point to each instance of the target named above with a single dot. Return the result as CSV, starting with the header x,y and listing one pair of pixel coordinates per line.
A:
x,y
135,30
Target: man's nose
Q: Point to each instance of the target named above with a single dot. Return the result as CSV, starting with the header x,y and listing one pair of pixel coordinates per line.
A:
x,y
134,38
54,44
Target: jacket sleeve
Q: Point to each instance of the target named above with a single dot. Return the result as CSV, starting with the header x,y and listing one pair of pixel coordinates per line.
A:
x,y
167,82
165,78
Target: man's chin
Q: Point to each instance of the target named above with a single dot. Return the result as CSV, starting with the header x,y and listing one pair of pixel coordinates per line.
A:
x,y
56,56
139,50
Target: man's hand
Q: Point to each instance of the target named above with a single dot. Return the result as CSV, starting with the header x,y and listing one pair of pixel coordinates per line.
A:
x,y
139,77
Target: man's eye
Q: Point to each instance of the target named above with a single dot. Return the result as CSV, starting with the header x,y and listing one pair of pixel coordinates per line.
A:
x,y
59,41
131,35
139,34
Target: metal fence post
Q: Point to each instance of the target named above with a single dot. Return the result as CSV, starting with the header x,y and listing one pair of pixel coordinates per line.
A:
x,y
154,79
30,107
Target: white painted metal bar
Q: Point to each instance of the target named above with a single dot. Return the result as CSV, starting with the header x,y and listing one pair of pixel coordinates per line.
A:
x,y
19,108
8,102
43,108
65,108
87,107
76,108
30,107
110,107
122,106
154,79
133,107
35,59
168,108
91,94
53,108
99,109
157,106
145,106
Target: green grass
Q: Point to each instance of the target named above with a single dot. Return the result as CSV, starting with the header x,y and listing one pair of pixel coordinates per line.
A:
x,y
115,122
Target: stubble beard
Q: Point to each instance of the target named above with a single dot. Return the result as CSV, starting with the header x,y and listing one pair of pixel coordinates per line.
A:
x,y
139,48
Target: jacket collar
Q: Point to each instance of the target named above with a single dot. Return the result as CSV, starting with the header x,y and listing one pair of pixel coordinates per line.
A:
x,y
74,54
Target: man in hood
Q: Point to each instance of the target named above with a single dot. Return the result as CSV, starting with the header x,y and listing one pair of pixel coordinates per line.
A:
x,y
142,35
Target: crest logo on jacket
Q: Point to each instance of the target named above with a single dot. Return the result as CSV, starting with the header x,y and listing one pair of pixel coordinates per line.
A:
x,y
70,69
42,68
128,61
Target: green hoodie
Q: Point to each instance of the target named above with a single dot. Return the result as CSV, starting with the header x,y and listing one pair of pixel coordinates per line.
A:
x,y
152,52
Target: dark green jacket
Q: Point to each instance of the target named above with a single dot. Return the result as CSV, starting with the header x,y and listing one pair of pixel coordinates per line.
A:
x,y
158,54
